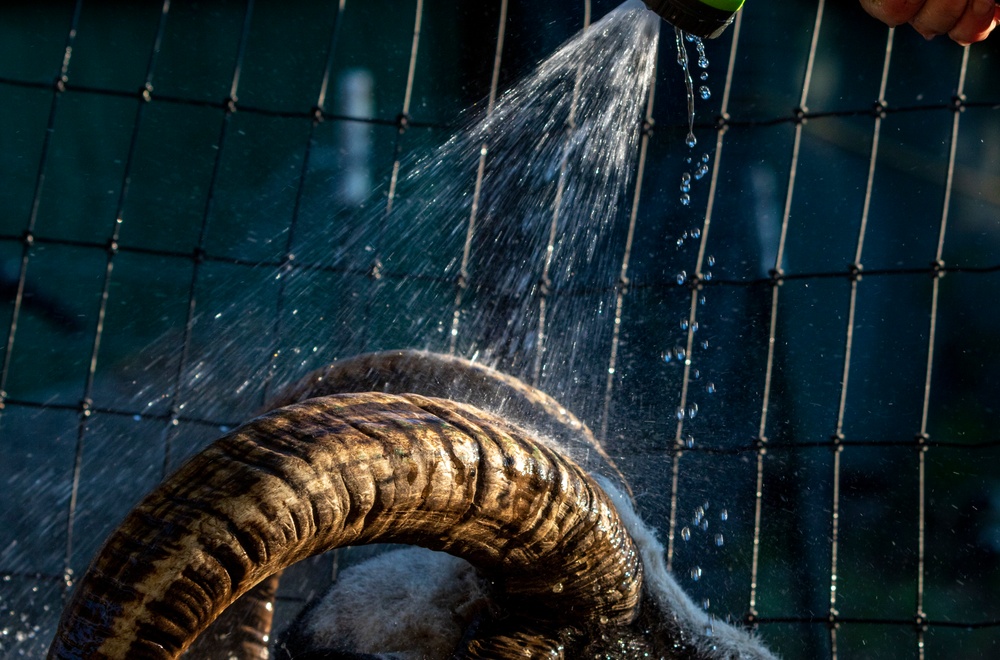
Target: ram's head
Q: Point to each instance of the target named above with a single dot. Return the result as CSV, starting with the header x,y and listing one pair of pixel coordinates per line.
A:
x,y
545,558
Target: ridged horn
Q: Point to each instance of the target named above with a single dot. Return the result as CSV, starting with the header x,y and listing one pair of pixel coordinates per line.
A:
x,y
428,374
458,379
349,470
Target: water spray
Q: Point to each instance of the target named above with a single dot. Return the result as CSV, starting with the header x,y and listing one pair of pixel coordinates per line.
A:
x,y
702,18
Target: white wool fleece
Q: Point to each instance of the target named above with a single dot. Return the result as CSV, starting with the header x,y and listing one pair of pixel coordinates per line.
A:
x,y
407,604
712,638
415,604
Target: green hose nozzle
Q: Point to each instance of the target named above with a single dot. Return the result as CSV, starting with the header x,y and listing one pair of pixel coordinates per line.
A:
x,y
702,18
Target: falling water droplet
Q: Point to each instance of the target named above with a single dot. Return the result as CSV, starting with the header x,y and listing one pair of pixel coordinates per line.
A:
x,y
708,276
719,540
680,242
680,413
701,301
682,277
686,534
692,411
724,515
689,441
667,356
705,603
696,573
696,374
684,324
710,388
704,525
690,140
680,353
704,75
695,233
699,513
704,344
557,587
682,60
705,158
711,260
702,60
686,199
694,327
705,92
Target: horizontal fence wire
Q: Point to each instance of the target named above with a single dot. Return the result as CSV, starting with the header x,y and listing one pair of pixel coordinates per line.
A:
x,y
934,269
796,116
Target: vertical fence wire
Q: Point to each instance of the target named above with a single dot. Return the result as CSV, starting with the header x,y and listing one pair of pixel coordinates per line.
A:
x,y
695,283
777,273
462,282
545,283
28,236
59,87
86,404
288,264
855,270
230,104
922,439
402,124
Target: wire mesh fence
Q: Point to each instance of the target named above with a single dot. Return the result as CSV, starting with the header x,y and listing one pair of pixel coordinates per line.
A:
x,y
796,370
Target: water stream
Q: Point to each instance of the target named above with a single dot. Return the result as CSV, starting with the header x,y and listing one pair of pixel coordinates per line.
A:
x,y
535,245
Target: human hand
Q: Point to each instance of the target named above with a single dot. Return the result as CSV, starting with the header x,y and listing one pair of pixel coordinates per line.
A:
x,y
965,21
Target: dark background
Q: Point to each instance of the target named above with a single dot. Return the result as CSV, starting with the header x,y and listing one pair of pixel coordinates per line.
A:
x,y
92,415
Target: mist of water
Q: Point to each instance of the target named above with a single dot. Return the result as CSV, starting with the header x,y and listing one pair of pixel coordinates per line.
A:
x,y
516,270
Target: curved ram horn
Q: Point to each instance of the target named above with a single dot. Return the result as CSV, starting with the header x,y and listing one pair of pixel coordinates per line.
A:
x,y
348,470
458,379
428,374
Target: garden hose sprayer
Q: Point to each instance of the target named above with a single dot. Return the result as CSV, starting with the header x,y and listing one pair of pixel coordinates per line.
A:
x,y
702,18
